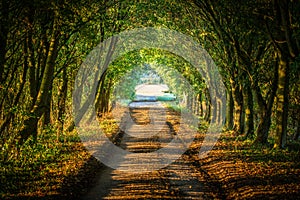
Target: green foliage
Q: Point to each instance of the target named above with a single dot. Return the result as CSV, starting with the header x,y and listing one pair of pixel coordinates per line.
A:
x,y
34,162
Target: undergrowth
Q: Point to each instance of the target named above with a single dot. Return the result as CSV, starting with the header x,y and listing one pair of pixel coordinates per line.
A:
x,y
35,168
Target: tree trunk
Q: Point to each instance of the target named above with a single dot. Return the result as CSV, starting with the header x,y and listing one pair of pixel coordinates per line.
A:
x,y
47,114
105,97
62,97
214,110
248,101
229,110
297,134
282,102
265,108
287,52
3,36
207,115
201,111
238,107
101,95
33,84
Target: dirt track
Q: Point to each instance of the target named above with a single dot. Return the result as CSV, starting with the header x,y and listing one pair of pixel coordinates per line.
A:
x,y
179,180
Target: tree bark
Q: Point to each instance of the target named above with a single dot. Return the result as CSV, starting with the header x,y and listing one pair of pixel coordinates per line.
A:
x,y
207,114
47,114
229,110
297,134
238,107
3,36
62,97
282,102
201,112
287,52
248,101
